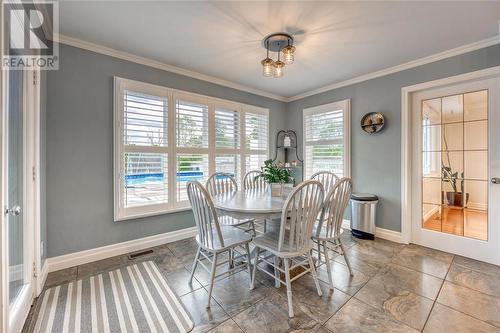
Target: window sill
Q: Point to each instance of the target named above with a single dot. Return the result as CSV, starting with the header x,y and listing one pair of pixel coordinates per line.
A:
x,y
156,213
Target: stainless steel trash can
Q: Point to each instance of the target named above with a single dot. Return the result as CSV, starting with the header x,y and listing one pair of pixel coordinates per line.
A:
x,y
363,212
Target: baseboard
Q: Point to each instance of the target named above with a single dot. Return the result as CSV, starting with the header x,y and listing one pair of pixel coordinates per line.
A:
x,y
84,257
477,206
387,234
390,235
346,224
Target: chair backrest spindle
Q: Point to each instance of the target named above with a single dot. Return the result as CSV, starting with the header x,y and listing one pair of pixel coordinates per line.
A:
x,y
205,215
327,179
221,182
299,215
252,181
336,202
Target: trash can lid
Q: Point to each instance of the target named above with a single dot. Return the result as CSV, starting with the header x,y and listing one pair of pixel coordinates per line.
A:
x,y
364,197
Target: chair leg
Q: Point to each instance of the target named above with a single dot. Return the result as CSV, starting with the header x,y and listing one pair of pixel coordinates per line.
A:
x,y
249,265
265,225
255,262
231,259
195,264
212,277
328,268
252,224
345,257
288,287
277,282
319,253
315,276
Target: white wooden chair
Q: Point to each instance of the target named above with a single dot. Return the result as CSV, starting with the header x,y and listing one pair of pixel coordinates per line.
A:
x,y
326,178
327,231
221,182
293,241
213,238
252,181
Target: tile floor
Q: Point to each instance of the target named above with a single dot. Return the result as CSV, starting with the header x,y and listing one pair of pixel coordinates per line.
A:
x,y
395,288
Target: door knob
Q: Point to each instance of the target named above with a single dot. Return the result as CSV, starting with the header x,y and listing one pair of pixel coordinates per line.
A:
x,y
495,180
15,211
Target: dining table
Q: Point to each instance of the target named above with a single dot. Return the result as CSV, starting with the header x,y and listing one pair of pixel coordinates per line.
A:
x,y
251,203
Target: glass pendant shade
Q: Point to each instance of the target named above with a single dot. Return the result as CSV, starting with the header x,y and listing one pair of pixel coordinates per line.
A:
x,y
278,45
279,67
288,54
267,67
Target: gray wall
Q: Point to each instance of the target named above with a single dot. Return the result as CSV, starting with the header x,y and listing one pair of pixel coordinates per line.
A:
x,y
79,152
376,159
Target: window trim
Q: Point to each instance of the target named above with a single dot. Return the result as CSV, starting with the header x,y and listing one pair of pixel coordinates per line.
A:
x,y
172,95
345,105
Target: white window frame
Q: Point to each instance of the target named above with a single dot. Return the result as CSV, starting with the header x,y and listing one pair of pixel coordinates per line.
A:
x,y
344,105
172,95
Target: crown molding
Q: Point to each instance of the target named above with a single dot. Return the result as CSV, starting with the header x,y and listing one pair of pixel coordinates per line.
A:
x,y
411,64
75,42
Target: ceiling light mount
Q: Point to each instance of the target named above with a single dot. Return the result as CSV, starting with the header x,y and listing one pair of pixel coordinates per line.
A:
x,y
282,44
277,41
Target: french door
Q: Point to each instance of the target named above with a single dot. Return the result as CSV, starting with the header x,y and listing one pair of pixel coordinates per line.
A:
x,y
18,200
456,169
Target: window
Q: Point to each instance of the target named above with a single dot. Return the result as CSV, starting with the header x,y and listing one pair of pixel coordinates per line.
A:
x,y
256,139
326,139
191,118
165,138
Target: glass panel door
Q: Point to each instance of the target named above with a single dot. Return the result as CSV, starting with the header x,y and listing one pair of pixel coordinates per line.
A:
x,y
455,164
15,184
19,234
456,168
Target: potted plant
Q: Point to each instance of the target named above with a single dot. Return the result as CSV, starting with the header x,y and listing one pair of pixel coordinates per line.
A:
x,y
275,177
455,198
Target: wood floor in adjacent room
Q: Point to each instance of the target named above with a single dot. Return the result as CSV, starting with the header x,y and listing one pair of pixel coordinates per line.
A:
x,y
395,288
460,221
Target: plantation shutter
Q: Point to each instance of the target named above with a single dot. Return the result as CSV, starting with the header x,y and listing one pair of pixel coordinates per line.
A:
x,y
257,131
192,159
256,140
192,124
324,141
227,129
146,121
144,153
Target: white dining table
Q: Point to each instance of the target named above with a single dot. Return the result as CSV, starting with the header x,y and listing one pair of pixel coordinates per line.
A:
x,y
252,203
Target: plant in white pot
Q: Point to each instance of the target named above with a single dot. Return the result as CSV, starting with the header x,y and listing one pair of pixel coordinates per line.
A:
x,y
275,177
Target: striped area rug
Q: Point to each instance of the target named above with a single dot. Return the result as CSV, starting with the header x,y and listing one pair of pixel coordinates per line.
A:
x,y
135,298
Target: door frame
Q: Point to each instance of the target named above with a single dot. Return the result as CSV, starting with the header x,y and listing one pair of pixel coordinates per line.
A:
x,y
406,138
31,98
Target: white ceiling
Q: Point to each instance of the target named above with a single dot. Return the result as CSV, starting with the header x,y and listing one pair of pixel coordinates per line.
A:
x,y
335,41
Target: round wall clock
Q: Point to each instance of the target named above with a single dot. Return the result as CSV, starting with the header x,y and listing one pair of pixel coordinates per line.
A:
x,y
372,122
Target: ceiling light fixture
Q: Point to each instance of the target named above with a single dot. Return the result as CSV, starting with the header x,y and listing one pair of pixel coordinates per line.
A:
x,y
267,66
288,54
281,43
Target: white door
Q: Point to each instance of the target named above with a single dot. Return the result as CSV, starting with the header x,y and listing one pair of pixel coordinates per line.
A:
x,y
456,169
17,228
